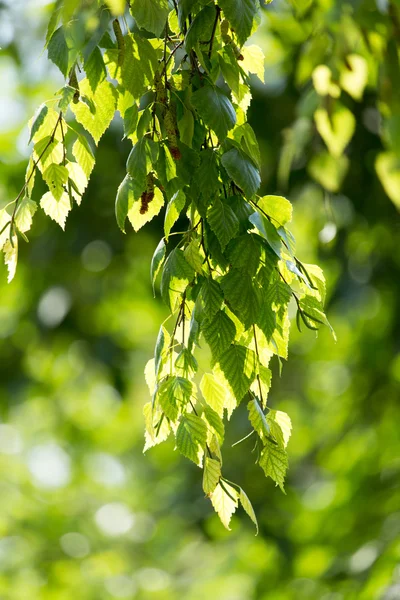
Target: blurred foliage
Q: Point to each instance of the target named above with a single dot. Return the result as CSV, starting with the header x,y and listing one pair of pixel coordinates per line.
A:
x,y
82,511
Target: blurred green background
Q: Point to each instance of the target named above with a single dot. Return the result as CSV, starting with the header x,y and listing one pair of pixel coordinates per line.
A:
x,y
83,513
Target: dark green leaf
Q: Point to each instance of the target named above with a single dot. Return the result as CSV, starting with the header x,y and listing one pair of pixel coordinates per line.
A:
x,y
215,109
223,221
157,262
58,51
242,171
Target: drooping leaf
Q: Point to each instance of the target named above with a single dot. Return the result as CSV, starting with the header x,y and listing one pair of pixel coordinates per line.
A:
x,y
103,103
177,274
215,109
83,154
258,419
211,475
243,172
212,297
240,14
174,208
56,176
242,296
248,507
58,52
150,14
95,69
213,393
157,262
238,366
191,437
276,207
219,332
274,462
225,502
223,221
56,208
38,120
24,214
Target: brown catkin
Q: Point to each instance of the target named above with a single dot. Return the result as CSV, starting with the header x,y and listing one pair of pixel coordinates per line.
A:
x,y
147,195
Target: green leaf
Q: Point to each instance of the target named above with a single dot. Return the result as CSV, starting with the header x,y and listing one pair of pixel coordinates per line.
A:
x,y
150,14
245,253
278,295
228,63
254,61
212,297
238,366
141,159
194,256
281,426
38,120
213,393
207,174
10,250
258,419
139,217
123,201
264,381
139,67
215,421
200,29
130,120
186,127
154,434
24,214
245,135
177,274
268,231
240,14
157,262
276,207
95,69
174,209
162,344
56,176
191,437
66,95
104,103
242,171
274,462
211,474
313,313
219,333
56,208
49,150
242,296
225,502
215,109
173,394
58,51
223,221
83,154
247,506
